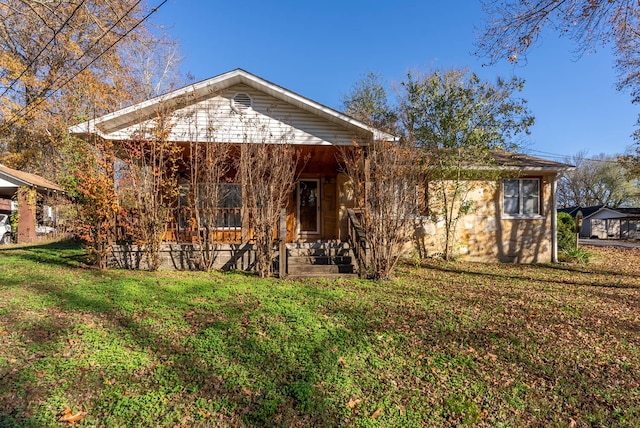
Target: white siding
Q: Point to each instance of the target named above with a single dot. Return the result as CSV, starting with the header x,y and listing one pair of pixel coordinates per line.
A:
x,y
268,121
5,183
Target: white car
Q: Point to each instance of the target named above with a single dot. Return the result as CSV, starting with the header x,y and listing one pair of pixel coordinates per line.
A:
x,y
44,230
5,229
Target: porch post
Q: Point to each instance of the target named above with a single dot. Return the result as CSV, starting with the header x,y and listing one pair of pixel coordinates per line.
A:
x,y
244,212
282,236
367,176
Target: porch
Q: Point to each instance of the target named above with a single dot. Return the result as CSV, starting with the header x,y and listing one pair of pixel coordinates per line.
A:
x,y
316,209
319,258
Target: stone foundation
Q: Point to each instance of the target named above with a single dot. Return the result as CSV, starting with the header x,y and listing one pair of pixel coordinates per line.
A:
x,y
185,257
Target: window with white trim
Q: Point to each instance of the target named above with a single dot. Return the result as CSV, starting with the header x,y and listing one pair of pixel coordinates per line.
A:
x,y
521,197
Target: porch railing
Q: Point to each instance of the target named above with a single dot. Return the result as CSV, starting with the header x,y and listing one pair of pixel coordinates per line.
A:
x,y
228,229
358,240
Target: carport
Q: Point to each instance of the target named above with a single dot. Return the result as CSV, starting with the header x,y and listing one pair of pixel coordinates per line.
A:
x,y
21,187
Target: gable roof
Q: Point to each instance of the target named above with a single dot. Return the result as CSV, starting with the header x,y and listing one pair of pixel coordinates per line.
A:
x,y
603,212
586,211
614,212
21,178
197,91
572,211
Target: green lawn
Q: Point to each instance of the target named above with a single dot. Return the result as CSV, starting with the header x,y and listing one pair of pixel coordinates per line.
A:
x,y
442,344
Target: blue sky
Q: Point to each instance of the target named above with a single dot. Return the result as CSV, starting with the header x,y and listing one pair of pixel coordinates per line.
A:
x,y
321,48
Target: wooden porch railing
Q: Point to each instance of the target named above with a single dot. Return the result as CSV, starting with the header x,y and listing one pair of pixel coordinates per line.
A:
x,y
227,231
358,240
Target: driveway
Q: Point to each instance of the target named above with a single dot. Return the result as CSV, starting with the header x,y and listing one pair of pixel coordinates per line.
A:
x,y
609,243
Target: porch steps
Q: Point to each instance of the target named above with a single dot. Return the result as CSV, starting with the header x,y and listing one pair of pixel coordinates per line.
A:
x,y
320,260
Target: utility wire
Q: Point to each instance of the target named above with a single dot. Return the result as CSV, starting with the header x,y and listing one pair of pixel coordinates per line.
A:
x,y
55,33
52,92
569,157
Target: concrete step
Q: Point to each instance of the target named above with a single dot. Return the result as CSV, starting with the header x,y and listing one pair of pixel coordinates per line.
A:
x,y
329,276
319,260
319,244
302,269
318,249
322,259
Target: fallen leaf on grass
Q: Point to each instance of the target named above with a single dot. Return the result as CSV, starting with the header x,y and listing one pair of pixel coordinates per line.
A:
x,y
353,403
206,415
69,417
342,361
377,413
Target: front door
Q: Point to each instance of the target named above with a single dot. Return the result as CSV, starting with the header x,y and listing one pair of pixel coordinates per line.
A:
x,y
308,207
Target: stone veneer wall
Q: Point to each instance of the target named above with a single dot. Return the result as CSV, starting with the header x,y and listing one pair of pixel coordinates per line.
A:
x,y
485,236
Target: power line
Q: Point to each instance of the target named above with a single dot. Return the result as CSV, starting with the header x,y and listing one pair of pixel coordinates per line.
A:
x,y
569,157
55,33
32,106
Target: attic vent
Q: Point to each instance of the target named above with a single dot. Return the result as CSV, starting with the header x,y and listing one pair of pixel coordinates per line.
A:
x,y
241,102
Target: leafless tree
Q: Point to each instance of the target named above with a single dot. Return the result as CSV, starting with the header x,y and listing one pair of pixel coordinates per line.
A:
x,y
513,27
209,165
598,180
151,172
267,167
385,176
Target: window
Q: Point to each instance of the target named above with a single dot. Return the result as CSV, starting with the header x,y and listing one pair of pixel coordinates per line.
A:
x,y
227,212
229,204
521,197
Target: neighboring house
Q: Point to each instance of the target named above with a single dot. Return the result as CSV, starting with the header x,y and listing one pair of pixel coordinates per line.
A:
x,y
514,219
582,212
11,180
602,222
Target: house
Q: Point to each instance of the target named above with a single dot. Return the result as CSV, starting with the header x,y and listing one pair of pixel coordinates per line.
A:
x,y
580,213
25,189
515,219
602,222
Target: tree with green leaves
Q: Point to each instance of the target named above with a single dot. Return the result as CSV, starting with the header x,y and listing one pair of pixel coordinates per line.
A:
x,y
567,234
456,109
448,122
368,102
458,119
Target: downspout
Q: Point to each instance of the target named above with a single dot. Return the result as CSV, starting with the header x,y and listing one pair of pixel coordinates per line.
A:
x,y
554,221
